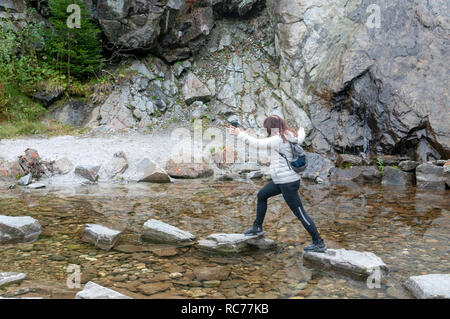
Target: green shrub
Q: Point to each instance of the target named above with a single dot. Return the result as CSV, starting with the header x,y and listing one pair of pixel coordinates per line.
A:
x,y
74,51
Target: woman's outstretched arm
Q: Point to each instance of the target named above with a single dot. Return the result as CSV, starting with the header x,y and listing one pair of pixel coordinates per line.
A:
x,y
272,142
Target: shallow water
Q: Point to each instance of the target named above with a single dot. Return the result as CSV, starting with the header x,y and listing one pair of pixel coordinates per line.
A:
x,y
407,227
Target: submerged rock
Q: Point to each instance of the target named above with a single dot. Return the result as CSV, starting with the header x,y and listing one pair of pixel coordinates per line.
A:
x,y
18,229
430,176
8,278
433,286
211,273
93,291
159,232
90,173
395,177
353,263
101,236
234,243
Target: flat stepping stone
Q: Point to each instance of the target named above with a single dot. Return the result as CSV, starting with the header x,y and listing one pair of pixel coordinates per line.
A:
x,y
35,186
433,286
234,243
103,237
22,229
359,265
9,278
93,291
158,232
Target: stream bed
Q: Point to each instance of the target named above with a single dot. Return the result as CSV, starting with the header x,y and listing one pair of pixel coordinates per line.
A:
x,y
408,228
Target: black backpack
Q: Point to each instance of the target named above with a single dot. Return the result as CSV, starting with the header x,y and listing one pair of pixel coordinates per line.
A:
x,y
299,163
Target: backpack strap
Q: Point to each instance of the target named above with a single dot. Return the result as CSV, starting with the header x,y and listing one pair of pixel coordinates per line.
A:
x,y
285,157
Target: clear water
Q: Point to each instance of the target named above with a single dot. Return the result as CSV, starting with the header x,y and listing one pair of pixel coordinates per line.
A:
x,y
407,227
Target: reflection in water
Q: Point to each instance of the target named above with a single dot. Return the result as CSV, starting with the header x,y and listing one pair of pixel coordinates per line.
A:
x,y
408,228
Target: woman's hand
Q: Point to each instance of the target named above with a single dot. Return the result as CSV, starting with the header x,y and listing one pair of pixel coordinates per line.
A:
x,y
234,130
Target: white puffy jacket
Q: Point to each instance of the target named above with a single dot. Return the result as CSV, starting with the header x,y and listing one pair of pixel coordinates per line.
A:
x,y
280,171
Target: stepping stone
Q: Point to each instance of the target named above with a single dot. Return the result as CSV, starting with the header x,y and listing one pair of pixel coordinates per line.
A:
x,y
22,229
433,286
8,278
359,265
158,232
35,186
101,236
93,291
234,243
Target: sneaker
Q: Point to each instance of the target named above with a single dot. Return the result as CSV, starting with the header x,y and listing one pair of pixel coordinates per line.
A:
x,y
254,231
317,247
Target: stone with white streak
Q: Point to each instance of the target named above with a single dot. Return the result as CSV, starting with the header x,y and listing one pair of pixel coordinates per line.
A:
x,y
9,278
353,263
101,236
22,229
160,232
433,286
93,291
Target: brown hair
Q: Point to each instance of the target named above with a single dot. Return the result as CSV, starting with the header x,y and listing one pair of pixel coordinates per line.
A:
x,y
276,122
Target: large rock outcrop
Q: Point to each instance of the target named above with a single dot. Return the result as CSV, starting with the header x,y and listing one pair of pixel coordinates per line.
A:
x,y
370,73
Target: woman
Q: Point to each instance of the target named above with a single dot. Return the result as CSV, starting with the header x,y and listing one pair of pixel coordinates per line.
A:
x,y
284,180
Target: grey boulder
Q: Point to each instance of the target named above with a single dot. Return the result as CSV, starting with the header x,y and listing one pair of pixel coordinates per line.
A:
x,y
395,177
359,265
101,236
63,166
430,176
148,171
433,286
25,180
160,232
93,291
195,90
18,229
408,166
88,172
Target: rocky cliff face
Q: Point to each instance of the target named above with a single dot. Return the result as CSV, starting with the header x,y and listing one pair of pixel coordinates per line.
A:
x,y
361,76
369,82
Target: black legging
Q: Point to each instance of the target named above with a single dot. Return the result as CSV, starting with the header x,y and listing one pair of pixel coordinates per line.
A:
x,y
290,194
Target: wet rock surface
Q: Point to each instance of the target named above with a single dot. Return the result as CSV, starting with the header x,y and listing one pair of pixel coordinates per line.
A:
x,y
433,286
150,172
18,229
